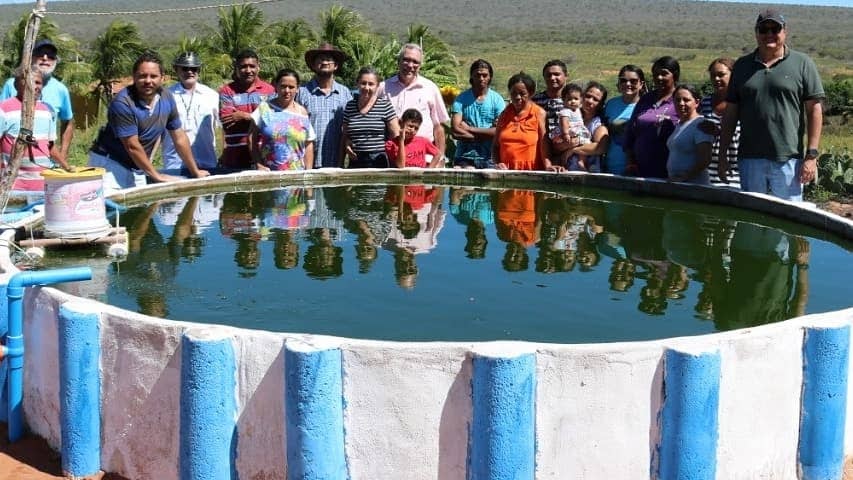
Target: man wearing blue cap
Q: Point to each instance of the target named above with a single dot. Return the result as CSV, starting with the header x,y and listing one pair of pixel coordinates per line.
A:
x,y
775,93
54,93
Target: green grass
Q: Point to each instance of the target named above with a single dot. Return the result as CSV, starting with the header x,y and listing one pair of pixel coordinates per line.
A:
x,y
600,62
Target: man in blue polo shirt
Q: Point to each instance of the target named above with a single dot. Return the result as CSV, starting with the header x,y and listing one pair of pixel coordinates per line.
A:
x,y
775,93
54,93
136,119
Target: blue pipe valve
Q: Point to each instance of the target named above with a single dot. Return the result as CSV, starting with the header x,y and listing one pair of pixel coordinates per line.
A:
x,y
13,351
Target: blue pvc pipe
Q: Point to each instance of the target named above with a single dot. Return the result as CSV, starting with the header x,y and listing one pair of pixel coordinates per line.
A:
x,y
823,410
80,391
689,416
502,441
115,205
208,448
314,421
14,349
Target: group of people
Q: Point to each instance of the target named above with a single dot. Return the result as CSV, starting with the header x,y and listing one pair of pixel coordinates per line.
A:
x,y
748,133
285,125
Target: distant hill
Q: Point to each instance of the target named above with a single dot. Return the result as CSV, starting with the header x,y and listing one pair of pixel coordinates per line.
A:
x,y
823,31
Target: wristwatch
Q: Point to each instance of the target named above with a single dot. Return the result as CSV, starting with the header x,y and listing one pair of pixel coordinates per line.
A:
x,y
812,153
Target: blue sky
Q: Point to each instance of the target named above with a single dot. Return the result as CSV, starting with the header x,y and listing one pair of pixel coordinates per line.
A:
x,y
835,3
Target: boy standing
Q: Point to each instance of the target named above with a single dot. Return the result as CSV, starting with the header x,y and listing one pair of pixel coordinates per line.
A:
x,y
408,149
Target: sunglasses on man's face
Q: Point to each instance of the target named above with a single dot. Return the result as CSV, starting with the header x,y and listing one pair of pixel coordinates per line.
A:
x,y
190,69
42,53
765,29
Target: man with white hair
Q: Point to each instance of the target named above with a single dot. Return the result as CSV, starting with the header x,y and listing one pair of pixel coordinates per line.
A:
x,y
54,93
408,90
198,107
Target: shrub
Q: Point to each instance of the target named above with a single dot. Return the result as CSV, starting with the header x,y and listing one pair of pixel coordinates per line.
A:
x,y
839,96
835,171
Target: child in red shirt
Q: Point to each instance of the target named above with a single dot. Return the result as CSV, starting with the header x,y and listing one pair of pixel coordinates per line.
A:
x,y
408,150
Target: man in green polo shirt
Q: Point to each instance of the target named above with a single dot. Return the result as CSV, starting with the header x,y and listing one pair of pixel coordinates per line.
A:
x,y
775,93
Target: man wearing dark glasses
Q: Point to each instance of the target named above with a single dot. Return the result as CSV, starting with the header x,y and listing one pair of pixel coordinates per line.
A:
x,y
54,94
775,92
198,107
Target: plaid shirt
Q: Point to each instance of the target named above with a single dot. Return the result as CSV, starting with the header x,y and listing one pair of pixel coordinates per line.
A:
x,y
326,113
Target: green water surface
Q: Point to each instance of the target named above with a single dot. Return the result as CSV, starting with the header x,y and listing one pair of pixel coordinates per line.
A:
x,y
423,263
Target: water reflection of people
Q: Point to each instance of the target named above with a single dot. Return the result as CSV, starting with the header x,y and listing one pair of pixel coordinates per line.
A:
x,y
517,224
419,219
239,220
768,280
474,209
366,214
190,218
285,249
621,275
323,259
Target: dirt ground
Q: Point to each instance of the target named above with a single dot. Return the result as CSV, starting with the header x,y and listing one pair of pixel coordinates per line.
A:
x,y
843,208
31,458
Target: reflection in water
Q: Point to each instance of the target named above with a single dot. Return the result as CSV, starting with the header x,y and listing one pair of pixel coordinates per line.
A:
x,y
594,257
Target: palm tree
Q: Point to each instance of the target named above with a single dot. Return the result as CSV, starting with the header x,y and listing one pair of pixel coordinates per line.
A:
x,y
114,52
339,25
380,53
242,27
347,30
294,37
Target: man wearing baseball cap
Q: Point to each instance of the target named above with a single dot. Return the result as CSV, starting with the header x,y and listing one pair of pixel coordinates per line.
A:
x,y
198,107
54,93
325,99
775,93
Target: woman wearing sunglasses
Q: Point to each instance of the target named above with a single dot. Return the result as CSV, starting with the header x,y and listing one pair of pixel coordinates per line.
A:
x,y
632,84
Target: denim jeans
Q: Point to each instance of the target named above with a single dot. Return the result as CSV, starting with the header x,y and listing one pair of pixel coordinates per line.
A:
x,y
780,179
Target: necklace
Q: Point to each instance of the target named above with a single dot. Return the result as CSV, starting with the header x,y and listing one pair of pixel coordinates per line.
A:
x,y
188,106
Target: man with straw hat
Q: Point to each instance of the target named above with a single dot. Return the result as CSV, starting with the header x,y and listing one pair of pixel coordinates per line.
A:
x,y
325,99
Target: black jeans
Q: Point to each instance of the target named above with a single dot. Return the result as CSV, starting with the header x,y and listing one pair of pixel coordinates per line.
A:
x,y
370,160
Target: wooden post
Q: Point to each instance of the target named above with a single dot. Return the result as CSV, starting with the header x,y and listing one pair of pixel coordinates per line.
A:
x,y
7,177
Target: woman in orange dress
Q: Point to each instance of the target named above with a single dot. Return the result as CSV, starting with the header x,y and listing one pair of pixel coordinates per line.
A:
x,y
520,133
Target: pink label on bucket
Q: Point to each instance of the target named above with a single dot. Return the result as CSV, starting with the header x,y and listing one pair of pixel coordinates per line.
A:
x,y
80,201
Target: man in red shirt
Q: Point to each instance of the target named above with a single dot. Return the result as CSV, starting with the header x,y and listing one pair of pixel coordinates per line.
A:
x,y
237,101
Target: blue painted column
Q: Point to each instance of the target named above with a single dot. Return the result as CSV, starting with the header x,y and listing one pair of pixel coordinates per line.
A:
x,y
823,411
502,441
4,328
6,238
689,416
80,389
208,442
314,418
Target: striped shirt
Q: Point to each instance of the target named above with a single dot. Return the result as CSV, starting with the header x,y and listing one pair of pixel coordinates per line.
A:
x,y
232,99
36,157
367,130
706,109
326,114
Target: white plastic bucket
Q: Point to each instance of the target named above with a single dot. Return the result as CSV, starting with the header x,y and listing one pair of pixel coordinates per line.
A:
x,y
74,203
